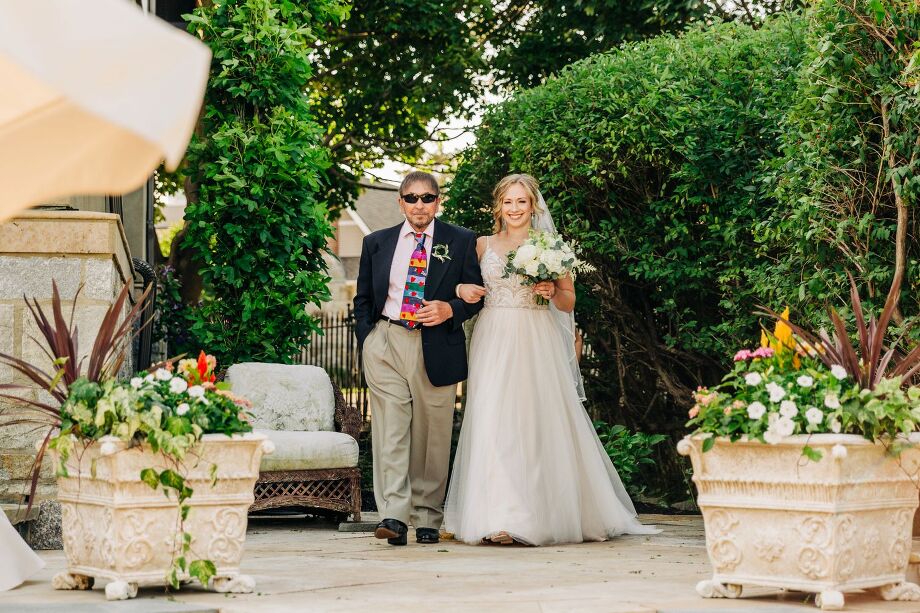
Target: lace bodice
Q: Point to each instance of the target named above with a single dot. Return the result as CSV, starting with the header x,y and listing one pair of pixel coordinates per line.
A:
x,y
504,293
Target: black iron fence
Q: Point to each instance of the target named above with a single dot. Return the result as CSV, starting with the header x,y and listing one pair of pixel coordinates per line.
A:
x,y
336,351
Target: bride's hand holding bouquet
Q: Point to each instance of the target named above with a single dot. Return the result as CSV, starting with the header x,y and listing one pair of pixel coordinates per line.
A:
x,y
540,260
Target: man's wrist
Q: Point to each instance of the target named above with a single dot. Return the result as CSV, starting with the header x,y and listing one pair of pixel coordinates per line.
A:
x,y
457,290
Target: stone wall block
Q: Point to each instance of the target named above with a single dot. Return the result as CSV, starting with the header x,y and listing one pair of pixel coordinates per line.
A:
x,y
31,276
6,339
100,280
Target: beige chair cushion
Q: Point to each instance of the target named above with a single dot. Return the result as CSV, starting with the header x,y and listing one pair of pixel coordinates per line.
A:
x,y
309,451
285,396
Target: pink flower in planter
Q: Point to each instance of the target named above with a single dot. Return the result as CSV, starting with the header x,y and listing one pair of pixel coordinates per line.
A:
x,y
742,355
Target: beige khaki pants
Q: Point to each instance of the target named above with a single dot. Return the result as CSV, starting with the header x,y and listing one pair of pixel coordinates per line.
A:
x,y
411,425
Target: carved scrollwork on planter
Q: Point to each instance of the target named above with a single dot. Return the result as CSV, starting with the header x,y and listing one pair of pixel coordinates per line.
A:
x,y
229,529
136,532
723,546
899,551
846,535
871,543
813,560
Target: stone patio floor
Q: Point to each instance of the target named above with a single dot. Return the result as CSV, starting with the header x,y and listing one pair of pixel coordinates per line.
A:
x,y
304,565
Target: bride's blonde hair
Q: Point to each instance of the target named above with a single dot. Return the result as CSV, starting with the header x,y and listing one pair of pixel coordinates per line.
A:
x,y
529,184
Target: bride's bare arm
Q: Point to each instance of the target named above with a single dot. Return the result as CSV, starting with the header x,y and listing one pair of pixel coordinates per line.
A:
x,y
470,292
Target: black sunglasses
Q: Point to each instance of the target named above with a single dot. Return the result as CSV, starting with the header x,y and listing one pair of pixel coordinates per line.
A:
x,y
413,198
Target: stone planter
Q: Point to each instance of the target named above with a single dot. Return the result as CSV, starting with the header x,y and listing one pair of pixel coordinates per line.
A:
x,y
775,518
117,527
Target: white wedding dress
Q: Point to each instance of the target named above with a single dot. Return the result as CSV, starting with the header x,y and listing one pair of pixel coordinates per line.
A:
x,y
529,462
17,561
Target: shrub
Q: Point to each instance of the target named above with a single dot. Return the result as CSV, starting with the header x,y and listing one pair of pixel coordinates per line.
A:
x,y
255,167
651,160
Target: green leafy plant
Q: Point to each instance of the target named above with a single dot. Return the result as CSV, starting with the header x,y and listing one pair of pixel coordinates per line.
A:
x,y
166,412
629,452
872,359
792,388
65,365
255,229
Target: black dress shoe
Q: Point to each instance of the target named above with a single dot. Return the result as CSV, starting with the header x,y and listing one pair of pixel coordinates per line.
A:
x,y
393,530
427,536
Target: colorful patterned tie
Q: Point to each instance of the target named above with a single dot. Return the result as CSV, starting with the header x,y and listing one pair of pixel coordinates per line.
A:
x,y
415,284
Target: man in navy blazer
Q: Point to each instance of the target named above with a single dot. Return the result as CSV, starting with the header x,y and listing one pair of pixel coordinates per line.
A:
x,y
409,323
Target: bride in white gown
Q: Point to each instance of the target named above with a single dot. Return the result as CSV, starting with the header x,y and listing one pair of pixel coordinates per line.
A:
x,y
17,561
529,466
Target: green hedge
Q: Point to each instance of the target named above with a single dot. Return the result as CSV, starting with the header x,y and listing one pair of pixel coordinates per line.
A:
x,y
651,160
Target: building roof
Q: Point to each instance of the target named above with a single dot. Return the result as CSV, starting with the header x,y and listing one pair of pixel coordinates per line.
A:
x,y
378,208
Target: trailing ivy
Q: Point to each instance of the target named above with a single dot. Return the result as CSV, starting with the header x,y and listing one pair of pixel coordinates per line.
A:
x,y
255,167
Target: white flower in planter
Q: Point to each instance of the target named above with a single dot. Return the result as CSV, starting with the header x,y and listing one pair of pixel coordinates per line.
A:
x,y
805,381
177,385
772,435
814,416
182,409
162,374
839,372
137,382
756,410
196,391
834,425
753,378
788,409
776,392
831,401
784,426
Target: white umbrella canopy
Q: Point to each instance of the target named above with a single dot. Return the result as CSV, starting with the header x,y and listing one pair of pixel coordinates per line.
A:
x,y
94,94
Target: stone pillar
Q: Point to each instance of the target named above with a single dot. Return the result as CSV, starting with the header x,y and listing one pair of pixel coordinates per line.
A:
x,y
78,250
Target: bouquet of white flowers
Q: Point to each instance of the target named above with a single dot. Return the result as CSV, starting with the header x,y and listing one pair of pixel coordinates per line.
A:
x,y
542,257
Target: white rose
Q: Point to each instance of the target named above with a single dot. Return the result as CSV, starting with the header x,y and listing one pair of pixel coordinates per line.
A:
x,y
149,378
177,385
756,410
805,381
753,378
788,409
776,392
162,374
196,391
182,409
553,261
137,382
532,268
814,416
831,401
525,254
839,372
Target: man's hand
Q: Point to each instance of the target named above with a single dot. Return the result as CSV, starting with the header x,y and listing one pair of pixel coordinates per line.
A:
x,y
434,312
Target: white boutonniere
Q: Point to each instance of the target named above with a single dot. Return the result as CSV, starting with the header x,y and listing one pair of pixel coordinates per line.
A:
x,y
441,252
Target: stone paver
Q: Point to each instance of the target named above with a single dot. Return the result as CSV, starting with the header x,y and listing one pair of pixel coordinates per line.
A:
x,y
304,566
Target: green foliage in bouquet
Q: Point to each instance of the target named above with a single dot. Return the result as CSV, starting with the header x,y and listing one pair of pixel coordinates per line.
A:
x,y
542,257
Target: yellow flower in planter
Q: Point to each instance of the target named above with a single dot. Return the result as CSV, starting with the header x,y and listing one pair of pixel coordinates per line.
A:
x,y
781,340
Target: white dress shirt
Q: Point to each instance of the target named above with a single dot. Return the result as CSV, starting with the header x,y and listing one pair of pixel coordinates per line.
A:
x,y
399,269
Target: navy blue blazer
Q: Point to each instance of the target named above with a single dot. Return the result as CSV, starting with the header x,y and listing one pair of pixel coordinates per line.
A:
x,y
444,345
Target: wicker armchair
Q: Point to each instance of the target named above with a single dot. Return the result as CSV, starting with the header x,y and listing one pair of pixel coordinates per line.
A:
x,y
335,489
